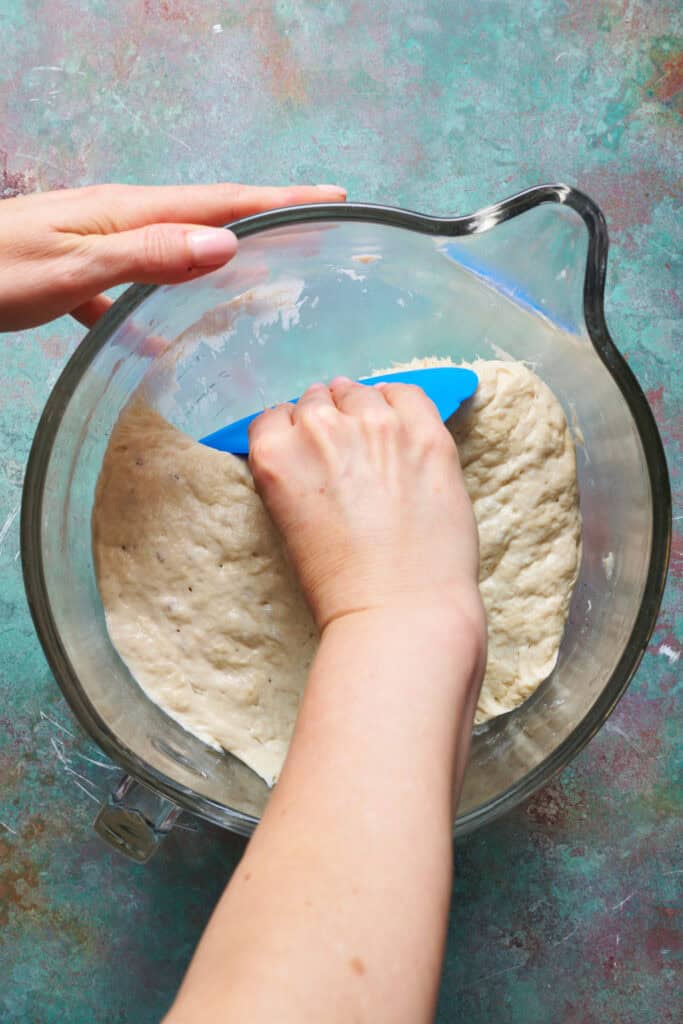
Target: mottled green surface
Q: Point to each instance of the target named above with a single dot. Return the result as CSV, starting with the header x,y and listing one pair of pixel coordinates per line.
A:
x,y
567,910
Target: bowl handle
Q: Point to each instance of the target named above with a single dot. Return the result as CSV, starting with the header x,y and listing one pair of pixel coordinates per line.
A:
x,y
135,819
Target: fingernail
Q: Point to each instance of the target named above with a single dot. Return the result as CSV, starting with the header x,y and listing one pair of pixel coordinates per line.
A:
x,y
336,381
333,190
211,247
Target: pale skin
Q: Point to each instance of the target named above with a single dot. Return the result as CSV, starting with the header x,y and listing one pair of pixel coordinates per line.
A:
x,y
337,911
60,250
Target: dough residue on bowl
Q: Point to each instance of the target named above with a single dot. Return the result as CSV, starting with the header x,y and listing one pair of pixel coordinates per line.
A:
x,y
204,609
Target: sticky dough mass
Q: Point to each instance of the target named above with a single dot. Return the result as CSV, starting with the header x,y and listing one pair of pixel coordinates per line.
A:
x,y
204,609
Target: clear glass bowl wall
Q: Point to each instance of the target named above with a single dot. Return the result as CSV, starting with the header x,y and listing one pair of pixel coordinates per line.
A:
x,y
302,303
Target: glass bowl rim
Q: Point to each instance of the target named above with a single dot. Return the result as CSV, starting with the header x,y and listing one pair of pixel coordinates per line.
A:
x,y
482,220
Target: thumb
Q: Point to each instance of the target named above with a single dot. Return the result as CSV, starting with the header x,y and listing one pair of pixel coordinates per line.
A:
x,y
158,254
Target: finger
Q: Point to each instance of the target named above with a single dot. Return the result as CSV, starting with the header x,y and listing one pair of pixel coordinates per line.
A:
x,y
88,313
354,399
409,401
126,207
133,336
339,388
316,397
156,254
129,335
271,421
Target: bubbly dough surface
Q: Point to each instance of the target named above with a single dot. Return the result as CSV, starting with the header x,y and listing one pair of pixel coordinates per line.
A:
x,y
203,608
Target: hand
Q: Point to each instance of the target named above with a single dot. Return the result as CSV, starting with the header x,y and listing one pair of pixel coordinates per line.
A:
x,y
365,485
366,488
59,250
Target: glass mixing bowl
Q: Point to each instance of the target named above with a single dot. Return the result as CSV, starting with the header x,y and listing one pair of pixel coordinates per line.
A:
x,y
316,291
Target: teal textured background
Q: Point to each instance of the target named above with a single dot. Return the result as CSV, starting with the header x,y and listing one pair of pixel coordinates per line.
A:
x,y
569,908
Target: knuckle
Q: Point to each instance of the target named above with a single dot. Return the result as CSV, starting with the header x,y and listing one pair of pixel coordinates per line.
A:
x,y
405,390
265,456
68,274
158,246
380,417
436,440
421,401
116,195
317,415
93,192
305,414
104,194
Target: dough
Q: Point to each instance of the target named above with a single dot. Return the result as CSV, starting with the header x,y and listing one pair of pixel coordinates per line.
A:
x,y
199,599
519,463
203,608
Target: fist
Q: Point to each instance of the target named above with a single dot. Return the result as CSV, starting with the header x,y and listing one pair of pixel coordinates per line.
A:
x,y
365,487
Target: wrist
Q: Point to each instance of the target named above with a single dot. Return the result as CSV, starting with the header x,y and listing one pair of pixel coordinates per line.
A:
x,y
448,610
448,637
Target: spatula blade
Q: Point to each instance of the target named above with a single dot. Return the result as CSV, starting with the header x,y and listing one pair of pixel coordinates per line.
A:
x,y
447,386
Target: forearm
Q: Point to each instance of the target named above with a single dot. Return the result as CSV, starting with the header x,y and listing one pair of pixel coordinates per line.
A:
x,y
345,886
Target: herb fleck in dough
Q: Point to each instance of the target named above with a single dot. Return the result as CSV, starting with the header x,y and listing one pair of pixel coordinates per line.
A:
x,y
203,608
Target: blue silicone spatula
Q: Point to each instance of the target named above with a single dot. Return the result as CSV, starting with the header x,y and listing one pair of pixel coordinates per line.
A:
x,y
447,386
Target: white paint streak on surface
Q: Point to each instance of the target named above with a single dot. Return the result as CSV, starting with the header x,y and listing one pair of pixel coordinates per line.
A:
x,y
565,938
55,67
57,725
7,525
494,974
138,118
37,160
611,726
82,781
669,653
622,903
